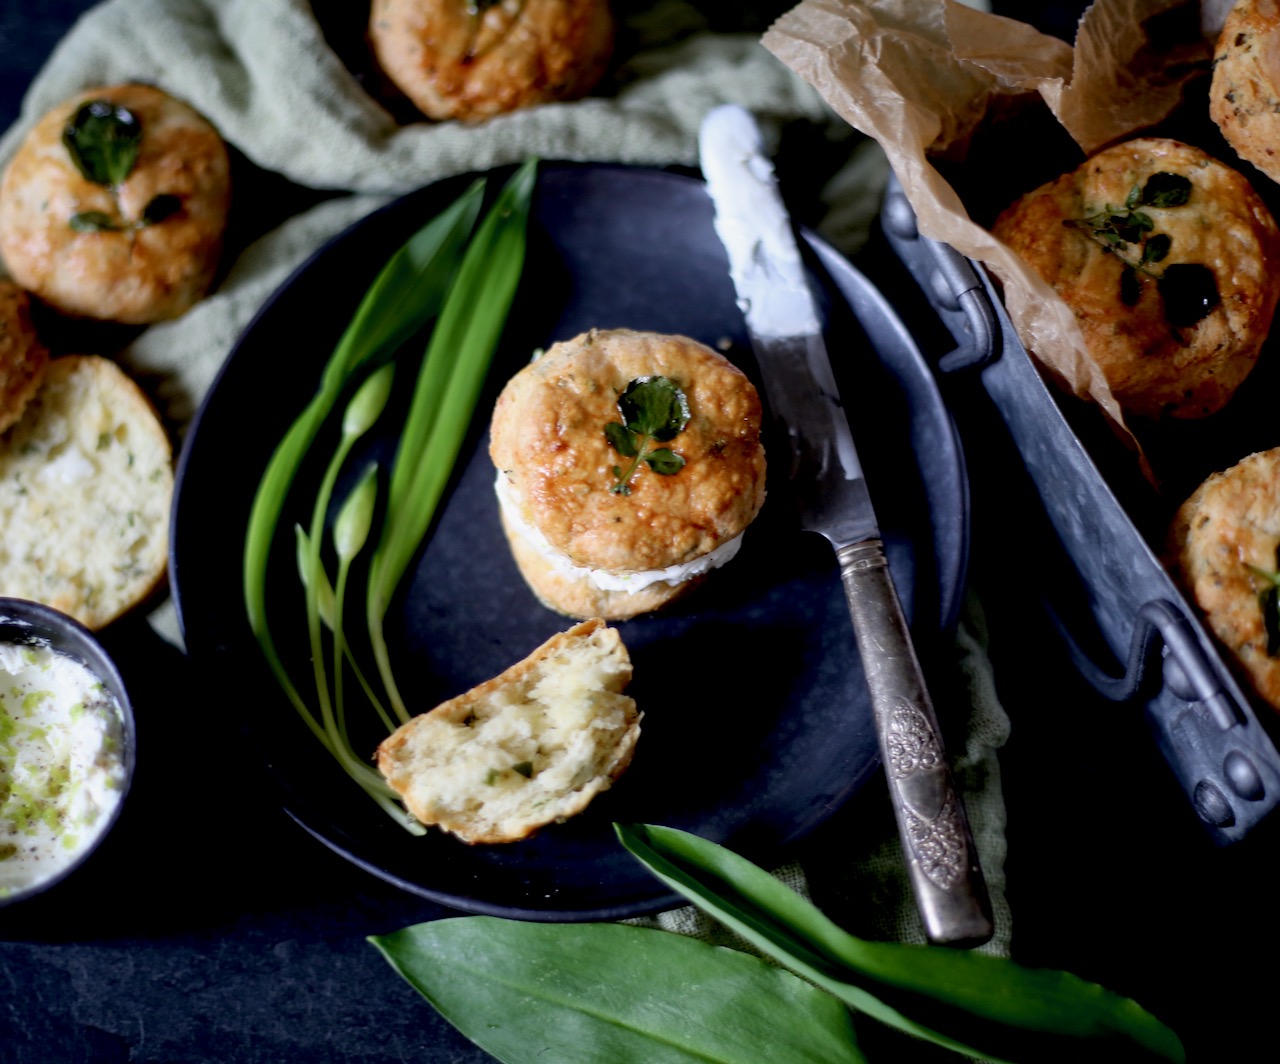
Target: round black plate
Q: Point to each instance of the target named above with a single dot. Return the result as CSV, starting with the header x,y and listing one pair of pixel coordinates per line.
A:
x,y
757,722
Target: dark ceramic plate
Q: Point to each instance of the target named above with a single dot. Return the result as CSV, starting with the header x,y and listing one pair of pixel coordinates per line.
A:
x,y
757,722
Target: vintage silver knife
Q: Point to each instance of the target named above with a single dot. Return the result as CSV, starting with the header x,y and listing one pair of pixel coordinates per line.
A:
x,y
831,492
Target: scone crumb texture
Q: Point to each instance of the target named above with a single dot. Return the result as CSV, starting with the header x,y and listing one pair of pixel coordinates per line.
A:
x,y
532,746
86,486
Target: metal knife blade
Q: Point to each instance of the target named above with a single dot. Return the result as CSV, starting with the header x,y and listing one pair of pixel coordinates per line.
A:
x,y
831,492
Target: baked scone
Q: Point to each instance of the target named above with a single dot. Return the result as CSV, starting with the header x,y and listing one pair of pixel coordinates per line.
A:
x,y
115,205
468,60
1244,92
1223,545
86,483
530,747
23,356
1166,256
599,531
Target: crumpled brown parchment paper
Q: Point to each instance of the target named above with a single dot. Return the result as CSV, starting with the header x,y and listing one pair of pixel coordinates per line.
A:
x,y
929,78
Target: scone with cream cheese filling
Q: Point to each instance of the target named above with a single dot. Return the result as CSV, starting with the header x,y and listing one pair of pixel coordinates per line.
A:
x,y
115,206
1166,257
604,518
532,746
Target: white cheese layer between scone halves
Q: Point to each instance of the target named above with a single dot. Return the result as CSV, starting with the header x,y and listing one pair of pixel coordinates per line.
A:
x,y
608,579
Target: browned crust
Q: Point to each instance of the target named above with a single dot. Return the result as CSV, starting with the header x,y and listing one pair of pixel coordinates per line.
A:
x,y
1244,93
23,356
548,440
1154,369
136,275
455,63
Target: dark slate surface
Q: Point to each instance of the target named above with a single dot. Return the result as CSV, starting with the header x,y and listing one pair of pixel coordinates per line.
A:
x,y
211,928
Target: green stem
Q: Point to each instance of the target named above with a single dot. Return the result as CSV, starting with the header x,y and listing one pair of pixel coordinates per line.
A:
x,y
319,510
449,383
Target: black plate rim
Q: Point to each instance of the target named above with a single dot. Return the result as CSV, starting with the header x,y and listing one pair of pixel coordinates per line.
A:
x,y
660,898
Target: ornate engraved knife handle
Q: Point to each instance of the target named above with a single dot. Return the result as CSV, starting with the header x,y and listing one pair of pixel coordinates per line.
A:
x,y
936,841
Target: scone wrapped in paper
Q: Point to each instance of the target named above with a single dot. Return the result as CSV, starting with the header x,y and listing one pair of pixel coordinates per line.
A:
x,y
629,465
530,747
1167,257
931,82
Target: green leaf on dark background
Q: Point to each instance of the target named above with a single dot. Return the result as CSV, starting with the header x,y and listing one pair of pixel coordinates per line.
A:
x,y
93,222
971,1002
656,407
104,141
609,993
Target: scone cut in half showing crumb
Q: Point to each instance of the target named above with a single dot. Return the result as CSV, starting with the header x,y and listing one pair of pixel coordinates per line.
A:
x,y
629,465
530,747
86,483
1167,259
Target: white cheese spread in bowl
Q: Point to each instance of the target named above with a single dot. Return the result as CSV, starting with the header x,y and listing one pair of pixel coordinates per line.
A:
x,y
65,747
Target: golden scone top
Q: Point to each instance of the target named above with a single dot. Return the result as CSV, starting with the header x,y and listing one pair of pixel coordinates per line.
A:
x,y
1173,292
115,206
1244,95
470,61
549,439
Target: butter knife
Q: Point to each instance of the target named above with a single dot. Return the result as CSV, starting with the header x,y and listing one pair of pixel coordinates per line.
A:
x,y
830,490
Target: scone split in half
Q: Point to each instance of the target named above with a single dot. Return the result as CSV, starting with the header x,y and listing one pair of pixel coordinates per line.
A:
x,y
86,486
532,746
629,464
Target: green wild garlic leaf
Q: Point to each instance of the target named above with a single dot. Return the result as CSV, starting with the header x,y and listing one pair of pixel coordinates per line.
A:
x,y
1188,291
103,141
653,409
93,222
1165,190
1117,228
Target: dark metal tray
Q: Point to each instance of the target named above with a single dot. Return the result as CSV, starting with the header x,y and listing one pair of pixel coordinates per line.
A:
x,y
1121,612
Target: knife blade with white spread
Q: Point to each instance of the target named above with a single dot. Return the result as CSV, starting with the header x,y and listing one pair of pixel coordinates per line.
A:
x,y
828,486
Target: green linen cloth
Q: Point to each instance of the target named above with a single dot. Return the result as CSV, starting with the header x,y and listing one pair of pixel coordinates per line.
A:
x,y
264,72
